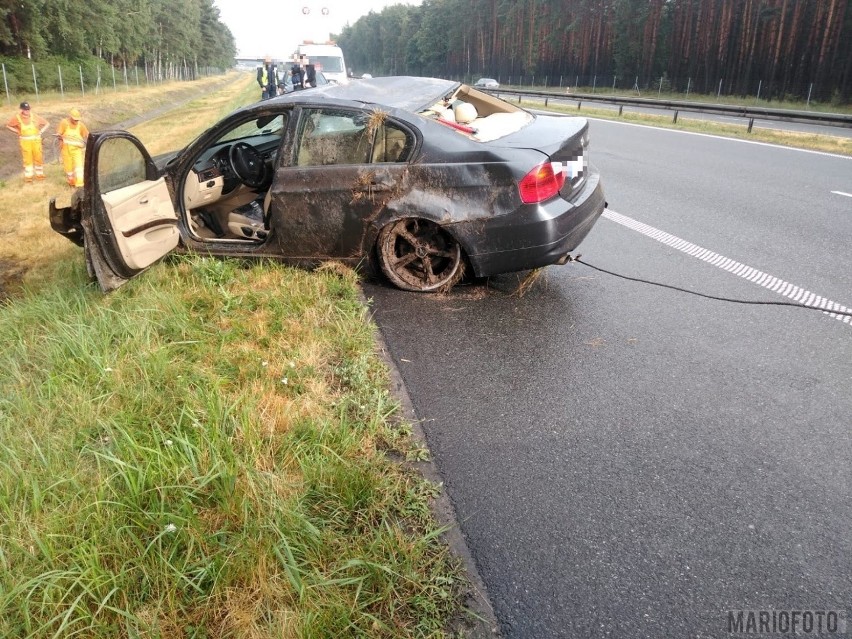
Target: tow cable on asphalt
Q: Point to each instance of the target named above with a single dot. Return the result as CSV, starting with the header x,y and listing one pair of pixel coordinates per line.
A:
x,y
711,297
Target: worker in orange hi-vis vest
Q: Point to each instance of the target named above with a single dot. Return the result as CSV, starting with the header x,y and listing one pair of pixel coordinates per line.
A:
x,y
28,127
73,133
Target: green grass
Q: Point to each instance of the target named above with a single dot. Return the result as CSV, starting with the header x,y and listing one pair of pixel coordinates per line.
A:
x,y
205,453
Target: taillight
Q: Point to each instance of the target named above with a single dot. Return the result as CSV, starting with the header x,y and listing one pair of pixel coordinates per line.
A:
x,y
542,183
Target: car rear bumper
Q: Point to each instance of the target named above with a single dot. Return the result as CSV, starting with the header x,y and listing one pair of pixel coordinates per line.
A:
x,y
535,236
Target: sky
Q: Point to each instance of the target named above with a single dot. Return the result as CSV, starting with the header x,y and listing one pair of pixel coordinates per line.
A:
x,y
262,28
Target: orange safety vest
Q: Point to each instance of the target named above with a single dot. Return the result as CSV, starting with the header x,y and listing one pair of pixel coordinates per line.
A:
x,y
72,135
29,130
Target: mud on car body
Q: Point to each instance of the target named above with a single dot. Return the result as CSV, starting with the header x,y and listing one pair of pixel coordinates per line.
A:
x,y
419,179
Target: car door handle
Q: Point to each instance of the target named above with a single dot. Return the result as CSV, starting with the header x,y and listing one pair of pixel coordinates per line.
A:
x,y
145,201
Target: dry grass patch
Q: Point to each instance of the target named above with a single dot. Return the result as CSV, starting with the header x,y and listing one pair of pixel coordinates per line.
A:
x,y
171,131
528,282
31,252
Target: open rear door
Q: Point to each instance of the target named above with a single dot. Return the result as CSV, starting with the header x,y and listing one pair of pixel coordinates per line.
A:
x,y
129,220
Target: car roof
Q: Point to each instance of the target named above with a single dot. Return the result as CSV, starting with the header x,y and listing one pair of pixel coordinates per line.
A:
x,y
408,93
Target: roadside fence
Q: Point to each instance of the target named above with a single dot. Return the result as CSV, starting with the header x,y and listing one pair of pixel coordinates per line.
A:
x,y
92,78
751,113
659,86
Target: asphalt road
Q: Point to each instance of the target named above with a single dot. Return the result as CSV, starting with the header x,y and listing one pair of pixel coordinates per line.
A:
x,y
630,461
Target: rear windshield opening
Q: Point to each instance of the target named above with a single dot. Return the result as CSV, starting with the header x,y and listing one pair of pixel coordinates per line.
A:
x,y
481,116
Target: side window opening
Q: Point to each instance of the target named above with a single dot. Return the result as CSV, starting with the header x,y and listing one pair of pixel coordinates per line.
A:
x,y
228,194
331,136
392,144
120,164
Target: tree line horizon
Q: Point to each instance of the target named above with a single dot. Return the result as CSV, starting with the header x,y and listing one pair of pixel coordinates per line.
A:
x,y
777,49
124,33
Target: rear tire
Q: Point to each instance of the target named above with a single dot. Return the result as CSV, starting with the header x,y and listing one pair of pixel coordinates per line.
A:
x,y
418,255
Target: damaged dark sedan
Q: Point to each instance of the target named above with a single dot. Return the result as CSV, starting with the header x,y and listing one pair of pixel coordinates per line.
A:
x,y
420,179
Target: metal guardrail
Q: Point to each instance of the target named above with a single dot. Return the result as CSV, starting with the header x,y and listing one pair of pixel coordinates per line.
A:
x,y
749,113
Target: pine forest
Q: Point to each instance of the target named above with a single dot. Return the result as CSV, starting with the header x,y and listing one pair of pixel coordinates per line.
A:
x,y
776,49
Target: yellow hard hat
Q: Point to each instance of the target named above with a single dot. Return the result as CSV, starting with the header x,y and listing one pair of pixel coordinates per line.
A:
x,y
75,114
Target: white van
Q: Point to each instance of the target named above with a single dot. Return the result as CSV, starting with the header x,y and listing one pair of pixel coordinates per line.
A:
x,y
327,57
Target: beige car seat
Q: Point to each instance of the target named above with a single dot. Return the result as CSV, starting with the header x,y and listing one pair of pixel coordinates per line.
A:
x,y
247,221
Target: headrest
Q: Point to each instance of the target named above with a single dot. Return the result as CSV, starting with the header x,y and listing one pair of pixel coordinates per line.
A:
x,y
465,112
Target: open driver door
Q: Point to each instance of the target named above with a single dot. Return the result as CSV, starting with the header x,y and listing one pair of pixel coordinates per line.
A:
x,y
128,217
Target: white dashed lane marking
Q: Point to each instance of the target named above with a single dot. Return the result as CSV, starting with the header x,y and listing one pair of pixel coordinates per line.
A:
x,y
765,280
842,193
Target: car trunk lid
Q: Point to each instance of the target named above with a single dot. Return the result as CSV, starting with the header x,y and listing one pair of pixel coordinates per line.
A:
x,y
564,140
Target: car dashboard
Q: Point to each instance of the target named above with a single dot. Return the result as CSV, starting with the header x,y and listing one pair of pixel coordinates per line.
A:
x,y
212,178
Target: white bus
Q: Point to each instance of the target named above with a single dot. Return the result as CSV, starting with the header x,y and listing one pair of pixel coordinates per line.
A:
x,y
327,57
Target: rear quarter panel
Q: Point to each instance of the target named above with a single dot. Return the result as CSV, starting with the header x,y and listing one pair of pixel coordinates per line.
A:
x,y
456,181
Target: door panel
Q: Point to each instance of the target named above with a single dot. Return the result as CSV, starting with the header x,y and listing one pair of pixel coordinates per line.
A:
x,y
129,218
347,164
144,222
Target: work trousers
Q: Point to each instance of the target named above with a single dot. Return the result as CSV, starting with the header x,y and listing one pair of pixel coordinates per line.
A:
x,y
33,160
72,160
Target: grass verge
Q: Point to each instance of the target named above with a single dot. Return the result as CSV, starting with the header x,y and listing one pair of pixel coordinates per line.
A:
x,y
204,454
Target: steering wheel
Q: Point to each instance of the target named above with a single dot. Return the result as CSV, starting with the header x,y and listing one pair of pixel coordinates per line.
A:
x,y
247,164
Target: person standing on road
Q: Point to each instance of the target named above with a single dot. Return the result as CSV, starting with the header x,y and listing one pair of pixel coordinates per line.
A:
x,y
73,133
297,72
28,127
267,80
